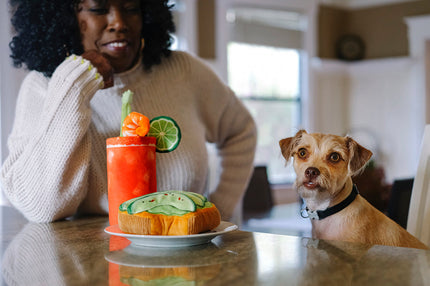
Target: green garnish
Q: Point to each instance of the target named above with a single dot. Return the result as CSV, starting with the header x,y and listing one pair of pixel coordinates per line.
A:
x,y
167,133
127,99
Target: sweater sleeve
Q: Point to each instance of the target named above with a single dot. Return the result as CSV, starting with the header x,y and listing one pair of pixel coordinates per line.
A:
x,y
236,148
45,174
231,127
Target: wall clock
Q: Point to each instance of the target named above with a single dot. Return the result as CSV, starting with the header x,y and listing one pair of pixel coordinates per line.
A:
x,y
350,48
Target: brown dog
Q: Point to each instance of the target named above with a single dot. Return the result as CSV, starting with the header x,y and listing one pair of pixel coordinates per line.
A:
x,y
324,165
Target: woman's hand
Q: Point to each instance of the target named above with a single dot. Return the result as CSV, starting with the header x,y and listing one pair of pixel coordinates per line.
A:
x,y
103,66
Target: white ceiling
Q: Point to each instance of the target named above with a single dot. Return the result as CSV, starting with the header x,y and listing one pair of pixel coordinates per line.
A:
x,y
272,18
355,4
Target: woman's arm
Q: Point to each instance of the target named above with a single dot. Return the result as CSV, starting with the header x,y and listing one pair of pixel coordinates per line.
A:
x,y
230,126
236,147
45,174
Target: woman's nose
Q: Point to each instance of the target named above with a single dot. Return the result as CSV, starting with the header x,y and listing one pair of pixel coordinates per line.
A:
x,y
117,21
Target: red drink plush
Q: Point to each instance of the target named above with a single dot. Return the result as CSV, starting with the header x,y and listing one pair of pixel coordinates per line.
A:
x,y
131,170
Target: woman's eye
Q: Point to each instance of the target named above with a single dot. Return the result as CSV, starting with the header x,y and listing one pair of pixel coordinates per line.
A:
x,y
98,11
334,157
302,153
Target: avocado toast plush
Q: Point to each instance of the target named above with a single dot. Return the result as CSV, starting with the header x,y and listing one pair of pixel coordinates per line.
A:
x,y
168,213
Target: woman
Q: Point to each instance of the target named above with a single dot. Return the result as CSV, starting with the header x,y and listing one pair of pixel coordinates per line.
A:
x,y
83,54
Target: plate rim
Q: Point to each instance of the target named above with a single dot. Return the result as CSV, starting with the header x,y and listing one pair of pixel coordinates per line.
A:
x,y
229,226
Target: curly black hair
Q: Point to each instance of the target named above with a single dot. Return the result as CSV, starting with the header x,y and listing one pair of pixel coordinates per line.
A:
x,y
48,30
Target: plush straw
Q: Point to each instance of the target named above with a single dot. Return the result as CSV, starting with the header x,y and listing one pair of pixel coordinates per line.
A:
x,y
127,98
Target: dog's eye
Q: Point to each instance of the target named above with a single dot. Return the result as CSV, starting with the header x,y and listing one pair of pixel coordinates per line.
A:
x,y
334,157
302,153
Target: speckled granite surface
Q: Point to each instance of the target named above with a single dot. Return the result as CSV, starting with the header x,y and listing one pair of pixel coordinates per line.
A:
x,y
79,252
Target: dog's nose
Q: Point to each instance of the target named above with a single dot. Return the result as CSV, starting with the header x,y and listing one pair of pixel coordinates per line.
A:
x,y
312,173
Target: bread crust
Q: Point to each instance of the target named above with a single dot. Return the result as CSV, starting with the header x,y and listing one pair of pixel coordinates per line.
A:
x,y
158,224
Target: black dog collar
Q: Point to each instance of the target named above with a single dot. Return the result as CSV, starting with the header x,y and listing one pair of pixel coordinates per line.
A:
x,y
318,215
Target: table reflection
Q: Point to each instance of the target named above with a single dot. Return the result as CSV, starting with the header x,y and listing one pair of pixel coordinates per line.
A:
x,y
47,254
79,252
194,265
343,263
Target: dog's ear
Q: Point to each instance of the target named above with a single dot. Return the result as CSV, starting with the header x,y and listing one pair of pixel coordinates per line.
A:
x,y
287,144
358,155
286,147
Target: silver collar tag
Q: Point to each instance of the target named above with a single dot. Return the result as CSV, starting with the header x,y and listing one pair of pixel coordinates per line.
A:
x,y
306,213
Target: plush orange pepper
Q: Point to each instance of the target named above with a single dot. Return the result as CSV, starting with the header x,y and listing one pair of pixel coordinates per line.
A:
x,y
135,124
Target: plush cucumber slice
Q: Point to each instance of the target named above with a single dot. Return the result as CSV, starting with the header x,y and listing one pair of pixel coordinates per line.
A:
x,y
167,210
208,204
199,196
174,199
198,199
124,205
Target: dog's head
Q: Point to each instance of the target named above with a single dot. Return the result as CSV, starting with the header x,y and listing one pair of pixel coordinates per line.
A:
x,y
322,162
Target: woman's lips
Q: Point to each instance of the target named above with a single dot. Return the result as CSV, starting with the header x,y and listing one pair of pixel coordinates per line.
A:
x,y
117,46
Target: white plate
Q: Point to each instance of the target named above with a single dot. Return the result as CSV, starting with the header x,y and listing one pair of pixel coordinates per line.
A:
x,y
173,240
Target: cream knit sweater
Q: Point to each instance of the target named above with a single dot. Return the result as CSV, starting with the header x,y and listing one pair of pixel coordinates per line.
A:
x,y
57,162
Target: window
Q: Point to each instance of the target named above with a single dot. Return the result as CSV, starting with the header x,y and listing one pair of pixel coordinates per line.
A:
x,y
264,70
269,86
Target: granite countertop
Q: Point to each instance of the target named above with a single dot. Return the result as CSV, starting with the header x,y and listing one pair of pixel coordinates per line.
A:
x,y
79,252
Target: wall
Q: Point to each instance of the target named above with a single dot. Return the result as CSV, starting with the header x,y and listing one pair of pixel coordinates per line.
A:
x,y
10,80
377,103
384,94
375,100
382,28
206,29
383,102
330,101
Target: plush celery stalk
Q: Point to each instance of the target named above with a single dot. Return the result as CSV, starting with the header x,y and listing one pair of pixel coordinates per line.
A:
x,y
127,98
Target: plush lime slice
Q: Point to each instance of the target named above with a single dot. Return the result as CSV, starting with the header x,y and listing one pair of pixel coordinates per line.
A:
x,y
167,133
